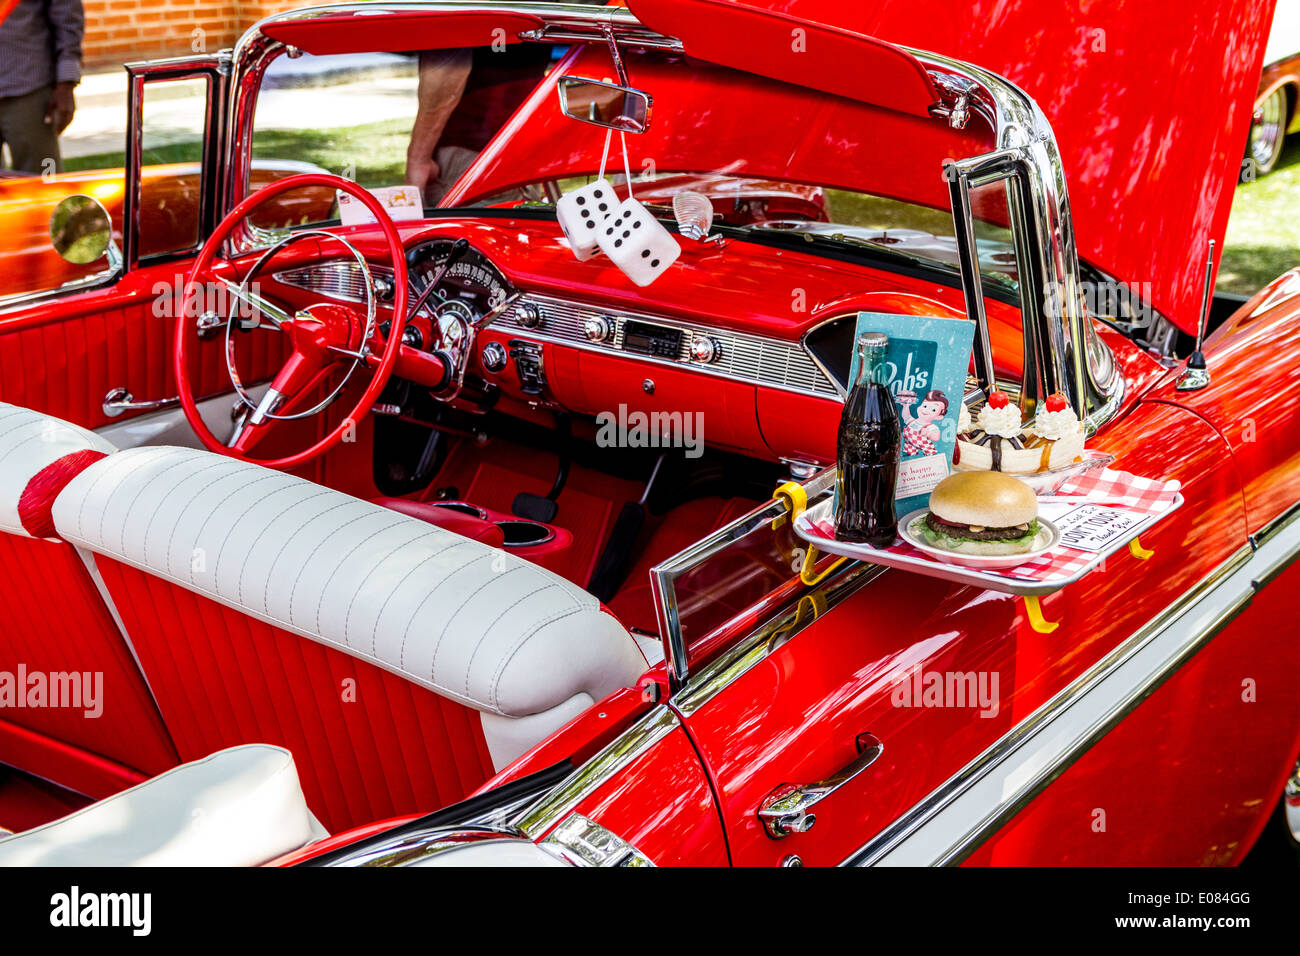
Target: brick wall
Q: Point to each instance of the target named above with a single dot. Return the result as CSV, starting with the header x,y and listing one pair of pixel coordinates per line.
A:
x,y
118,31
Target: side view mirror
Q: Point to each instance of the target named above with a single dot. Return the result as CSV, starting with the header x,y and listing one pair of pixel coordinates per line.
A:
x,y
81,230
605,104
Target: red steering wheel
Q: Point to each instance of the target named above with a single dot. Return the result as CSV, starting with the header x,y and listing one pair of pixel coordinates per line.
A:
x,y
324,337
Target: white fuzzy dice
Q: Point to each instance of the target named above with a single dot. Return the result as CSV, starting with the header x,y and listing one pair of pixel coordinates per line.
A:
x,y
580,213
636,242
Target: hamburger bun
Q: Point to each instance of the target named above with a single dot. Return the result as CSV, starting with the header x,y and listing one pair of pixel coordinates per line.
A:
x,y
987,499
983,513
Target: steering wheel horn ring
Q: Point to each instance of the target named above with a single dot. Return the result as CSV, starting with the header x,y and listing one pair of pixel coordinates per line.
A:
x,y
317,348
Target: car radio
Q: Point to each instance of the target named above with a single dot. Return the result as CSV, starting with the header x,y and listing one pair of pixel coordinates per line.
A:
x,y
657,340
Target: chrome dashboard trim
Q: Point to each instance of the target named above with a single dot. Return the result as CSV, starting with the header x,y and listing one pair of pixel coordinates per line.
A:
x,y
552,807
339,279
753,359
957,817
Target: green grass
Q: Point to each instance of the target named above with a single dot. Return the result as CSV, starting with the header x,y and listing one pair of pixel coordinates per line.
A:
x,y
1263,238
189,152
374,152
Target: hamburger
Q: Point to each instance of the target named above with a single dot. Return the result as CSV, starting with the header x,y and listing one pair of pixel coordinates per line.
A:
x,y
981,512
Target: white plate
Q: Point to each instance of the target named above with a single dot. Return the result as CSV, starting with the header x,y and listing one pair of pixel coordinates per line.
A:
x,y
1048,538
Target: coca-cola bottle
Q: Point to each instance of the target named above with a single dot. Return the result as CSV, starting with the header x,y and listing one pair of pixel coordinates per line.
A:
x,y
868,451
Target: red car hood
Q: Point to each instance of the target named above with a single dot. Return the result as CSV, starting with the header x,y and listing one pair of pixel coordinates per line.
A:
x,y
1150,103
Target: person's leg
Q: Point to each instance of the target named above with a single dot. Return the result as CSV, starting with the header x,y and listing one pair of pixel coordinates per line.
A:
x,y
452,162
32,142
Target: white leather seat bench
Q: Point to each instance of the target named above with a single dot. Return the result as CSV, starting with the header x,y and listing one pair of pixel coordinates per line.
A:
x,y
526,648
238,807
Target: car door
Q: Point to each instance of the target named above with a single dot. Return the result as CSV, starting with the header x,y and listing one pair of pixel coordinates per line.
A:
x,y
948,683
75,336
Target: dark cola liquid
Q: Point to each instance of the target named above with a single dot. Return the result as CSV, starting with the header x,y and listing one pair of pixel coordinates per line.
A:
x,y
867,457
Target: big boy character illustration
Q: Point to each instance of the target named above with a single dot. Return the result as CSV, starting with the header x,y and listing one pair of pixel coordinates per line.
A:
x,y
921,429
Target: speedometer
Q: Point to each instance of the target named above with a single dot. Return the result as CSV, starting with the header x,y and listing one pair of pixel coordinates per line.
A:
x,y
471,279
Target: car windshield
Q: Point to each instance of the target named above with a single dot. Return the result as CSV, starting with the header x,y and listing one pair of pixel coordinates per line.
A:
x,y
424,118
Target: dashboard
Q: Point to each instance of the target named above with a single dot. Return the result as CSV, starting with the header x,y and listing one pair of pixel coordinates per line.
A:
x,y
758,394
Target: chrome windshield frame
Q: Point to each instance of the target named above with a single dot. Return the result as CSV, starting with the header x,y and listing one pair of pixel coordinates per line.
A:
x,y
1062,350
255,51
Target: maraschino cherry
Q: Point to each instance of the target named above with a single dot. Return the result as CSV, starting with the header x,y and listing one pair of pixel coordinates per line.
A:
x,y
1057,403
998,399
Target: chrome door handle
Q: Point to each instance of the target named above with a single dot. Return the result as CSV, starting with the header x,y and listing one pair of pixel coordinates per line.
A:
x,y
787,809
121,400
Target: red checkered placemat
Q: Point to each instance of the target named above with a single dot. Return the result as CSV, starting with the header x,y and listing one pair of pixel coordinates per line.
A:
x,y
1118,489
1145,495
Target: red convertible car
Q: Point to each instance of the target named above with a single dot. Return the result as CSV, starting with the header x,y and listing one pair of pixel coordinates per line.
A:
x,y
442,541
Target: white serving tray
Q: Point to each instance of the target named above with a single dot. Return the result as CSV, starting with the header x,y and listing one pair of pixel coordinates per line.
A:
x,y
1006,581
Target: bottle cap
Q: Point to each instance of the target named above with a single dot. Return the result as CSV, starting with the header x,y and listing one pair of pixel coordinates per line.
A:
x,y
873,340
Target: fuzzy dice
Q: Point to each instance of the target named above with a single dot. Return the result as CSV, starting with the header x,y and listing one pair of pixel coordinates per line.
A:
x,y
580,213
636,242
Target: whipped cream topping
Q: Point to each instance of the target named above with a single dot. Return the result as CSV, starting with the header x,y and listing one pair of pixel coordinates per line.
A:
x,y
964,423
1003,422
1055,425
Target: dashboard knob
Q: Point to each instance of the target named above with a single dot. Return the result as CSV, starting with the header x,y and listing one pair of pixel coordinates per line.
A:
x,y
705,348
494,357
383,287
529,316
598,328
411,337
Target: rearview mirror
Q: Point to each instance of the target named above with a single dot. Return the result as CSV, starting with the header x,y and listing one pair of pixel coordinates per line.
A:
x,y
80,229
605,104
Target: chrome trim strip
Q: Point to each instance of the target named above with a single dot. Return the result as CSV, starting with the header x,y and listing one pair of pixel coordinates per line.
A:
x,y
744,357
340,279
774,633
1275,527
950,823
663,576
652,727
580,841
752,359
411,848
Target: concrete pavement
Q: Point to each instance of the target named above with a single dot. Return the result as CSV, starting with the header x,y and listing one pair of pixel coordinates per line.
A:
x,y
309,93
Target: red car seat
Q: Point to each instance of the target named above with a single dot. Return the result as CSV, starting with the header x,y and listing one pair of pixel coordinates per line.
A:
x,y
74,707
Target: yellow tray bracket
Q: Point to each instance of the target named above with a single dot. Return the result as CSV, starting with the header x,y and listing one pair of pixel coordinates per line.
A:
x,y
1036,620
796,499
